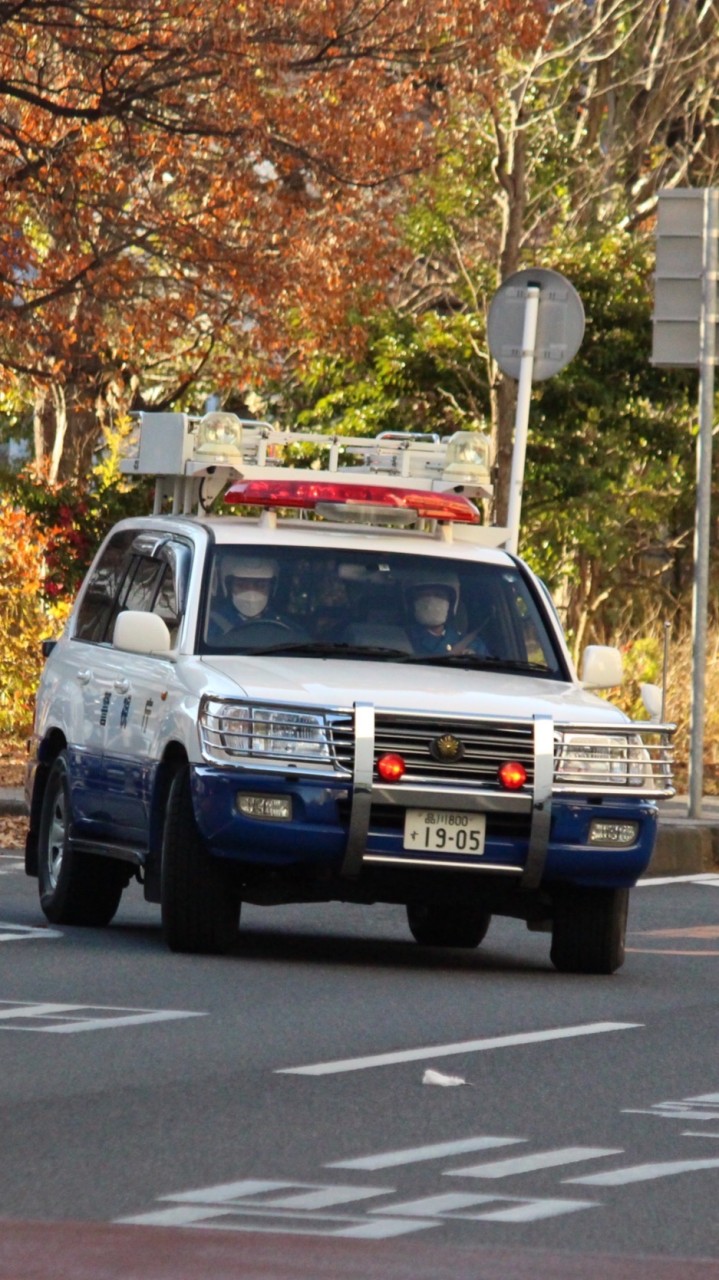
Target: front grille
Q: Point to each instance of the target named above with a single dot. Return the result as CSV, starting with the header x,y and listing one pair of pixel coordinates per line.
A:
x,y
485,745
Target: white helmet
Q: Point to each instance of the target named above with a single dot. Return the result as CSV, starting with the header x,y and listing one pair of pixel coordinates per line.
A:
x,y
434,575
238,565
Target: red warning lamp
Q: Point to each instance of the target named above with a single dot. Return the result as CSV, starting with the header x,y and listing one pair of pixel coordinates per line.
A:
x,y
391,767
306,495
512,775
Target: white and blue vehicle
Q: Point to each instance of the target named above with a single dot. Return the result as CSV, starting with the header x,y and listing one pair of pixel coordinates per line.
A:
x,y
255,708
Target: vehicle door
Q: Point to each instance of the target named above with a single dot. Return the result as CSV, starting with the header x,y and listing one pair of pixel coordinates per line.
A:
x,y
84,674
142,686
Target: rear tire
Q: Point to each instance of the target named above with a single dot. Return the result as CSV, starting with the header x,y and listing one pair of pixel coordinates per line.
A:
x,y
443,926
200,903
589,930
75,888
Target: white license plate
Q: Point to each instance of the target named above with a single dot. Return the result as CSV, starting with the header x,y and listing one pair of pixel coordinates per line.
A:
x,y
444,831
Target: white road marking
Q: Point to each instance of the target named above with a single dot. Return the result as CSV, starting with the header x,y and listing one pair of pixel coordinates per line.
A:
x,y
23,932
643,1173
228,1191
414,1155
60,1019
437,1205
530,1163
32,1010
703,877
449,1050
324,1197
521,1209
180,1217
386,1230
535,1210
703,1106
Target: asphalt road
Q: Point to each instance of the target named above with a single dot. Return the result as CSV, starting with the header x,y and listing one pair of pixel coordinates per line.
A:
x,y
270,1113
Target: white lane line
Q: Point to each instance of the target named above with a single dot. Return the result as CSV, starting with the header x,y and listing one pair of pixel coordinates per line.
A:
x,y
702,877
7,1010
130,1020
414,1155
529,1164
643,1173
449,1050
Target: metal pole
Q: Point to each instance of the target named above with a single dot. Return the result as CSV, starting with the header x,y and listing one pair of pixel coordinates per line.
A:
x,y
521,417
700,595
665,671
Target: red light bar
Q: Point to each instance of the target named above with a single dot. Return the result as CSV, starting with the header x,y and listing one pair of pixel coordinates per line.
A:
x,y
306,494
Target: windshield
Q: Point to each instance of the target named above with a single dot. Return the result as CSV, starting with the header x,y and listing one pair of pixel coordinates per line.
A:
x,y
316,601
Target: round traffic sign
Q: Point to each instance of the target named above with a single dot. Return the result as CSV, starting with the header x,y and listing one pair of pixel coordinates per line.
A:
x,y
560,322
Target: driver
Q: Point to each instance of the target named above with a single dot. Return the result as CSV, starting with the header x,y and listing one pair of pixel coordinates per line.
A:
x,y
433,597
247,585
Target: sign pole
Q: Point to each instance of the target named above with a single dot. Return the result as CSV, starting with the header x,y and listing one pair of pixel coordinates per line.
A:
x,y
702,525
521,417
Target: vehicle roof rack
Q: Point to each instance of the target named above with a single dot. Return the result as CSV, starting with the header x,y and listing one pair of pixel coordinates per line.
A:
x,y
194,458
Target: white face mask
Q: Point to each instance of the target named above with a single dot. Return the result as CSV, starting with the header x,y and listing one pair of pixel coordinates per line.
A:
x,y
431,611
250,601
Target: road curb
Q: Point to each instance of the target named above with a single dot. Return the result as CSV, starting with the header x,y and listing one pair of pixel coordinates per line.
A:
x,y
684,848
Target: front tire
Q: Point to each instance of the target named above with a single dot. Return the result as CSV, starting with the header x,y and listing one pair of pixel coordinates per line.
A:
x,y
75,888
589,930
443,926
200,904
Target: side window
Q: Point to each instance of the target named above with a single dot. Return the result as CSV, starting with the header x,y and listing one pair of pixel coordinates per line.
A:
x,y
166,605
141,588
98,601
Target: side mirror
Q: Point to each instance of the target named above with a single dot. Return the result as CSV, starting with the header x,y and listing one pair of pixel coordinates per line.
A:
x,y
601,667
138,632
652,698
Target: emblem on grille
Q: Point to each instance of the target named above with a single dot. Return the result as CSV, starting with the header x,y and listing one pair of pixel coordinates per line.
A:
x,y
447,748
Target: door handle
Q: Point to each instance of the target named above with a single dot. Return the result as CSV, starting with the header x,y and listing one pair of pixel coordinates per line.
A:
x,y
122,686
84,677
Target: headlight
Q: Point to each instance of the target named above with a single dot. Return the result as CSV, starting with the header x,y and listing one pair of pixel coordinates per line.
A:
x,y
230,729
602,760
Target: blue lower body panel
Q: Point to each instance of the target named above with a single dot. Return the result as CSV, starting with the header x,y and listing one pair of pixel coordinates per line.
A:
x,y
317,832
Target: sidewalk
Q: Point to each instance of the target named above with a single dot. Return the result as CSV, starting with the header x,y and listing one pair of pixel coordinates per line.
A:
x,y
685,846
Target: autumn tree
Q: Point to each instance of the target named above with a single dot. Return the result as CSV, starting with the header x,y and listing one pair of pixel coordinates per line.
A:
x,y
617,99
185,185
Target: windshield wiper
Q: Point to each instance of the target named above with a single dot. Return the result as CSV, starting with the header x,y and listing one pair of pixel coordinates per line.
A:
x,y
324,649
479,661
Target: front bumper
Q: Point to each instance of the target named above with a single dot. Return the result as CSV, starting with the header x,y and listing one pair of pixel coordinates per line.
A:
x,y
321,833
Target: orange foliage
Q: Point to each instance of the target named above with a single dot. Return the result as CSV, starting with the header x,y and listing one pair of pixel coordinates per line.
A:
x,y
24,619
182,178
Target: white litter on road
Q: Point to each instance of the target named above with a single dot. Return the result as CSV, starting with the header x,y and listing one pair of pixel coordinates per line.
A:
x,y
436,1077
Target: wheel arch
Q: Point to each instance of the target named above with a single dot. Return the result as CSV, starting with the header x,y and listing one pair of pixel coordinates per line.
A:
x,y
49,749
174,758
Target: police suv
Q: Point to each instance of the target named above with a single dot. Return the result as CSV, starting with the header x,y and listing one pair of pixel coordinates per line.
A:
x,y
353,691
